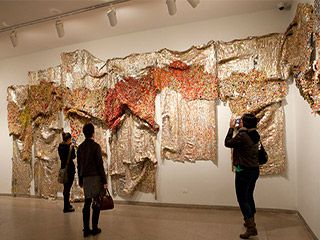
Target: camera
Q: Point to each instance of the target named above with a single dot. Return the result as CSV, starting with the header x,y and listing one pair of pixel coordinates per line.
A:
x,y
237,122
74,142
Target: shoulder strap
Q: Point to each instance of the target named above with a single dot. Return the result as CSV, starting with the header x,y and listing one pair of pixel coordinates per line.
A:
x,y
69,156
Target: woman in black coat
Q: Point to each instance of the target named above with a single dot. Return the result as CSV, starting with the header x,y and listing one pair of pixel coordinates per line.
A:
x,y
63,150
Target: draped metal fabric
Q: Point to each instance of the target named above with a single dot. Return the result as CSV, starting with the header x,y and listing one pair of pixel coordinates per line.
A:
x,y
301,54
46,158
133,158
188,128
271,127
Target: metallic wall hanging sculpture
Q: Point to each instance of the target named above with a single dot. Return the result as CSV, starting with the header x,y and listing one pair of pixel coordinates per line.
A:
x,y
118,96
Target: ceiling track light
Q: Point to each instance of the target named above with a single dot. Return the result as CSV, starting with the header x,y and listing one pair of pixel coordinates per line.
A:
x,y
171,5
60,28
112,15
13,38
194,3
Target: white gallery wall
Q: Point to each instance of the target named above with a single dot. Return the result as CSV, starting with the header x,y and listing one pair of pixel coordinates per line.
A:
x,y
201,182
308,159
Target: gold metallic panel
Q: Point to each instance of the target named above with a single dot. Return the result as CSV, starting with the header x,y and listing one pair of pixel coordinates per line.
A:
x,y
251,92
297,47
52,74
18,117
82,70
86,102
188,128
133,158
302,54
262,54
133,65
204,55
271,127
21,170
47,164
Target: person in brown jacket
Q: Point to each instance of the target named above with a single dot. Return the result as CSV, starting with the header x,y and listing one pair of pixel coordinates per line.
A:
x,y
245,145
92,178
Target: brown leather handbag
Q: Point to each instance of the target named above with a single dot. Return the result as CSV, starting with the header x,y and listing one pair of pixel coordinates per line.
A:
x,y
106,201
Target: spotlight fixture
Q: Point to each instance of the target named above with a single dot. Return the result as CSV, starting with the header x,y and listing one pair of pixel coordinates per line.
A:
x,y
60,28
284,6
172,8
194,3
112,15
14,39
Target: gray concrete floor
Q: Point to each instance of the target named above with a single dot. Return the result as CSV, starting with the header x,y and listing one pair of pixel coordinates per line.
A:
x,y
35,219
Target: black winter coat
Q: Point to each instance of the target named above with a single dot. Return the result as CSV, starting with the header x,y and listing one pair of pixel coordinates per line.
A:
x,y
245,146
63,151
89,160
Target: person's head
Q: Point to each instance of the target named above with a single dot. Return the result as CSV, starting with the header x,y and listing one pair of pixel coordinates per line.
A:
x,y
249,120
88,130
66,137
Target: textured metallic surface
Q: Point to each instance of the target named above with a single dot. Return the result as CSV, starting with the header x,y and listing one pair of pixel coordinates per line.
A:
x,y
52,74
255,53
301,49
85,102
82,70
136,95
317,7
297,47
18,118
133,65
21,170
133,158
251,92
47,164
249,74
188,128
193,82
272,130
204,55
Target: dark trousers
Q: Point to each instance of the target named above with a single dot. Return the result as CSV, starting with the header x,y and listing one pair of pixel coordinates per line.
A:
x,y
66,190
95,213
245,183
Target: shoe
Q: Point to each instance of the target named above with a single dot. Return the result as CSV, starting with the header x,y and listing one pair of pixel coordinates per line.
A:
x,y
66,210
96,231
87,233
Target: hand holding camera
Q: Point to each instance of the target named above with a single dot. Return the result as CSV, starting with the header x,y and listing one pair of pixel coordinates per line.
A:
x,y
235,123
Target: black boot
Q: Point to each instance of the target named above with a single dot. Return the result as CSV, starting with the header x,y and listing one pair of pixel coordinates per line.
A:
x,y
251,229
66,203
95,218
86,219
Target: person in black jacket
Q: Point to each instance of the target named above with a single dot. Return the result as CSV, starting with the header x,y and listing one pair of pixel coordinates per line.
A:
x,y
63,151
92,178
245,145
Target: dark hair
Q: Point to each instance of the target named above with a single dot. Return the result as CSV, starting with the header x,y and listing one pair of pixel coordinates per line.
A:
x,y
88,130
249,120
66,136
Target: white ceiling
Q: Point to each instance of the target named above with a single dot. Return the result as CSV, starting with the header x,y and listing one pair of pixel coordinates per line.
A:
x,y
133,16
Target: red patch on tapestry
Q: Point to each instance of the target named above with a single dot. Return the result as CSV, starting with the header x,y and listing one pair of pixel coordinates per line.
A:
x,y
138,95
191,81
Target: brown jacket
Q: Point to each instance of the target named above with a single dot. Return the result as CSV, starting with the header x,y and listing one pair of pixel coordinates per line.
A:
x,y
245,146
